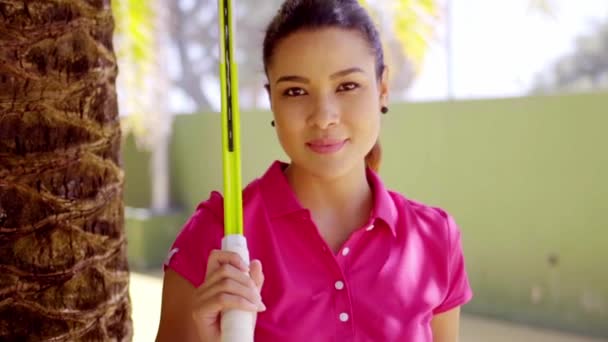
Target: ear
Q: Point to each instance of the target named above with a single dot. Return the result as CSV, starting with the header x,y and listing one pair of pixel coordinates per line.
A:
x,y
384,86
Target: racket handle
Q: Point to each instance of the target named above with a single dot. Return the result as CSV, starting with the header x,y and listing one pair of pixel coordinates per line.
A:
x,y
237,325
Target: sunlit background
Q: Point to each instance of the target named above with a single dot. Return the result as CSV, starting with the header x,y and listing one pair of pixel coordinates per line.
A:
x,y
499,115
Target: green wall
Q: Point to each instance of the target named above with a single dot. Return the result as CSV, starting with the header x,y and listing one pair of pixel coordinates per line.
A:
x,y
525,179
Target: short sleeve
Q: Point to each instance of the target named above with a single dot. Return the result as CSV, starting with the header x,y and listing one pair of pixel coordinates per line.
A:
x,y
459,291
201,234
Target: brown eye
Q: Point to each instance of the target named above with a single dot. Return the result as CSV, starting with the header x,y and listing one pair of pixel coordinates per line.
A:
x,y
348,86
293,92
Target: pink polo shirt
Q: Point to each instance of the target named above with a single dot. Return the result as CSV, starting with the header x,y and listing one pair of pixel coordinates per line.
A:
x,y
385,284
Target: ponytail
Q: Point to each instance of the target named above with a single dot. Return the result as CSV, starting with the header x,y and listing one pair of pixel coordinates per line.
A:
x,y
373,158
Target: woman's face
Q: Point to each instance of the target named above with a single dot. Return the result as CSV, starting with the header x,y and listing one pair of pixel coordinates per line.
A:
x,y
326,99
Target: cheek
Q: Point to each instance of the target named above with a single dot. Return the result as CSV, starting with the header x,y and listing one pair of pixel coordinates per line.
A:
x,y
285,136
290,116
364,112
367,127
288,127
372,129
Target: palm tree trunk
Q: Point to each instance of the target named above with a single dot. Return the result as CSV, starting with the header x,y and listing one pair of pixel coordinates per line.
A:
x,y
63,264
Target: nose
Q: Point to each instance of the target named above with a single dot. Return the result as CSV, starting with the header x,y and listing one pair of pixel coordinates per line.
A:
x,y
326,113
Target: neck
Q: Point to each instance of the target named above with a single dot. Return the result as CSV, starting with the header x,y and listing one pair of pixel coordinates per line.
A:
x,y
342,201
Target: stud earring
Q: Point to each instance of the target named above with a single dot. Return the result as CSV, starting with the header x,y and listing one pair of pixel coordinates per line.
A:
x,y
384,109
272,123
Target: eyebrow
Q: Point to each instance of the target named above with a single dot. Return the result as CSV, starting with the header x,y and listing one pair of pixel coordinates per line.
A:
x,y
301,79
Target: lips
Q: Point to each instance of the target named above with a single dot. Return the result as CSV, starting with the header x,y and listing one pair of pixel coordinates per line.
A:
x,y
325,146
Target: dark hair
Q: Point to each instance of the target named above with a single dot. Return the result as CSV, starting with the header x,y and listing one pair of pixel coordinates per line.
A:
x,y
296,15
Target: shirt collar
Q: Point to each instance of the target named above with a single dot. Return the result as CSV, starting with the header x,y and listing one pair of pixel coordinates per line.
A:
x,y
280,199
277,193
384,205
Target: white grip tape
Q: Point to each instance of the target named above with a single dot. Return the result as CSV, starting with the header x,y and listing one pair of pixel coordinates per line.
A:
x,y
237,325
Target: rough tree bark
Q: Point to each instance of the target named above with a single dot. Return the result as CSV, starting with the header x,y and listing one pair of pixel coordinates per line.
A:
x,y
63,263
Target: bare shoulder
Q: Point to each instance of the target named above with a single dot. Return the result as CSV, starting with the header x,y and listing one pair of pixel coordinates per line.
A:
x,y
176,322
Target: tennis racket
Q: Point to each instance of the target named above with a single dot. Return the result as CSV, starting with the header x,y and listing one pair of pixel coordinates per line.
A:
x,y
236,325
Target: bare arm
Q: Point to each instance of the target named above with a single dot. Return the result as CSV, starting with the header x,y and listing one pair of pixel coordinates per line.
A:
x,y
445,326
176,322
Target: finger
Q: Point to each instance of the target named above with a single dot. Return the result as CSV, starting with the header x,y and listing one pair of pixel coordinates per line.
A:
x,y
256,274
226,301
217,258
230,285
227,271
233,288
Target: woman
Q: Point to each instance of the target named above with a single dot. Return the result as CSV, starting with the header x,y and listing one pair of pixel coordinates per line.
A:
x,y
344,258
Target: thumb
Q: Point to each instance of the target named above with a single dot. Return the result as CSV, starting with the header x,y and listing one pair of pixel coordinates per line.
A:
x,y
256,273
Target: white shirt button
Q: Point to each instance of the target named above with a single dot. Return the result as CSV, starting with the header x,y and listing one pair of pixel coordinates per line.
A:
x,y
345,251
344,317
339,285
369,228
